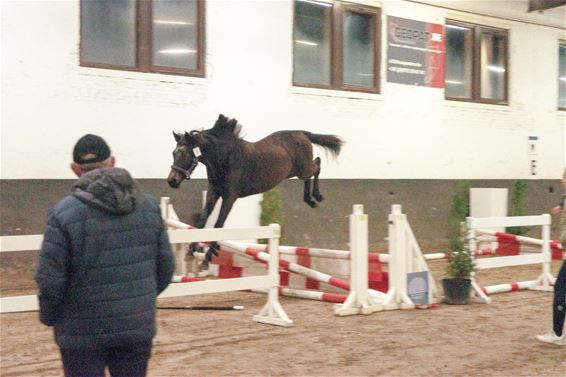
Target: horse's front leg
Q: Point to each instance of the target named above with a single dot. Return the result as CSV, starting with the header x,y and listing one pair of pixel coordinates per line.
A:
x,y
211,200
227,204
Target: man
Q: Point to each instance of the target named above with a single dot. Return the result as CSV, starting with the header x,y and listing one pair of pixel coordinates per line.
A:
x,y
556,335
104,260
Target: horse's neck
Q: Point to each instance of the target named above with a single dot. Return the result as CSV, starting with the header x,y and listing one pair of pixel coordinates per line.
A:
x,y
216,156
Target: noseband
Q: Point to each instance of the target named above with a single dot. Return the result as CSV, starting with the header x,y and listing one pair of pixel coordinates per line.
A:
x,y
187,172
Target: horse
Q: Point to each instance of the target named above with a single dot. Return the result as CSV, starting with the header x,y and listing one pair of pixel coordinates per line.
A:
x,y
237,168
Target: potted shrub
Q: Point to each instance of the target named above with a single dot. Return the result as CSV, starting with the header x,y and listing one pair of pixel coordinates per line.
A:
x,y
457,284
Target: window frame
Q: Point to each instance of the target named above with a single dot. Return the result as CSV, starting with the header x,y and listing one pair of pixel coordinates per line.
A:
x,y
337,53
561,42
143,43
477,32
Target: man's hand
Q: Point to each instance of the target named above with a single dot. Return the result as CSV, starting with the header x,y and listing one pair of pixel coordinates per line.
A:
x,y
556,210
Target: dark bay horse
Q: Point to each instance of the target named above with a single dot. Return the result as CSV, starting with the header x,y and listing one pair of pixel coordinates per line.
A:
x,y
237,168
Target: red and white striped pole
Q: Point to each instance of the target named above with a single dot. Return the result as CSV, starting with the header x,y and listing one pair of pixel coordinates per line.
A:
x,y
290,266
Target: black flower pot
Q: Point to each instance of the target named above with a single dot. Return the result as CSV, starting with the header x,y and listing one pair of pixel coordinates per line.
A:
x,y
456,291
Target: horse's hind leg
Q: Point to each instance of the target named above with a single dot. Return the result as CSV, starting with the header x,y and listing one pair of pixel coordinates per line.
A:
x,y
307,198
307,195
315,189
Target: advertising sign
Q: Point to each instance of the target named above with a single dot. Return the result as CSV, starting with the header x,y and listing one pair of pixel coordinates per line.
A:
x,y
415,52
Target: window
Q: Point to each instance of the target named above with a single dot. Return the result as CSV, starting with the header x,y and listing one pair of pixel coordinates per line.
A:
x,y
476,63
143,35
562,75
336,46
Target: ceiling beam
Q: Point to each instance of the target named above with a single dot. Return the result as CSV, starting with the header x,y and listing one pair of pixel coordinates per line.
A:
x,y
538,5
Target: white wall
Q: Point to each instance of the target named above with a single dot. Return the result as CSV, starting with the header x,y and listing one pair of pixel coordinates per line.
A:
x,y
404,132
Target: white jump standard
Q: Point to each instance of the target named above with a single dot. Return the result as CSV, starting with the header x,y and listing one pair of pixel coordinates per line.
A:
x,y
405,257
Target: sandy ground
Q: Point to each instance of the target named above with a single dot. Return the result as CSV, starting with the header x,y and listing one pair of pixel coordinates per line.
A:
x,y
494,339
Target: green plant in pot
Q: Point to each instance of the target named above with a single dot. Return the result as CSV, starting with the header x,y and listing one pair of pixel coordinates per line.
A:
x,y
460,263
457,284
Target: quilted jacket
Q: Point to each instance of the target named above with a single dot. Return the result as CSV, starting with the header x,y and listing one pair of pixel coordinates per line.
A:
x,y
104,259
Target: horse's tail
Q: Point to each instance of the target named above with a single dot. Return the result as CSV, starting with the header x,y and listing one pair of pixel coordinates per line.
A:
x,y
331,142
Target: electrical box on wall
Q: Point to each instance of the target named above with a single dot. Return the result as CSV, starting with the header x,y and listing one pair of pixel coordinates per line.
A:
x,y
532,152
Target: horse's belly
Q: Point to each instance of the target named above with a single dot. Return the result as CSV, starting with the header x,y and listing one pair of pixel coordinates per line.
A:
x,y
258,184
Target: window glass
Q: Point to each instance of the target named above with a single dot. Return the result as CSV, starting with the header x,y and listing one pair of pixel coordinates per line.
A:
x,y
358,49
459,48
562,76
175,33
312,43
492,66
108,32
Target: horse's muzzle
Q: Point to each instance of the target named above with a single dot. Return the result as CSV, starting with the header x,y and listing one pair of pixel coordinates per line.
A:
x,y
174,183
174,179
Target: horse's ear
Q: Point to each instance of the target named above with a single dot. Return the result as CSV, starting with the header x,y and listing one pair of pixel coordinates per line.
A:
x,y
176,136
194,138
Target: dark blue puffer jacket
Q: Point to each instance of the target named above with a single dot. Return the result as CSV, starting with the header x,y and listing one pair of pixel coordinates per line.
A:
x,y
105,257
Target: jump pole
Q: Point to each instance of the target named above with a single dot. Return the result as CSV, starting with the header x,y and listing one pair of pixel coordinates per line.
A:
x,y
309,294
318,253
554,244
289,266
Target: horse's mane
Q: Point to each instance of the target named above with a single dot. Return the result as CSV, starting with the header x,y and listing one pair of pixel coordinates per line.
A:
x,y
225,127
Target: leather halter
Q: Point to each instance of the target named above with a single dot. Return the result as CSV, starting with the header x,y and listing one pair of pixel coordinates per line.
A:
x,y
187,172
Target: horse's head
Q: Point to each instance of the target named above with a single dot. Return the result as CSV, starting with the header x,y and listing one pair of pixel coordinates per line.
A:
x,y
186,157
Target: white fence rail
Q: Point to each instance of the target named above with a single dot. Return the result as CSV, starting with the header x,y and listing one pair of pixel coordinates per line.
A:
x,y
272,312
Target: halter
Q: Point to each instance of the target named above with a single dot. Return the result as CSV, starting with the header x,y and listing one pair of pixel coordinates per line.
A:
x,y
187,172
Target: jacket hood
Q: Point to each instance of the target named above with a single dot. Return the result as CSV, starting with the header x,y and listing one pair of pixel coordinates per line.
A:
x,y
110,189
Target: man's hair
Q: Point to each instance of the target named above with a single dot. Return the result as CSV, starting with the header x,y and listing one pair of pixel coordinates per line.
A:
x,y
90,149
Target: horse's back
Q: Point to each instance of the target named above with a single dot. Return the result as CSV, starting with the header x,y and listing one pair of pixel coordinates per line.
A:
x,y
280,155
295,143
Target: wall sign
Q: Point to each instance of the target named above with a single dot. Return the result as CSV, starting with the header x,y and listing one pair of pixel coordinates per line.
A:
x,y
415,52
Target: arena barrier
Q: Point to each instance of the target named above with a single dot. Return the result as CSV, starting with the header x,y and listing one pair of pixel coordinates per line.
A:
x,y
271,313
476,226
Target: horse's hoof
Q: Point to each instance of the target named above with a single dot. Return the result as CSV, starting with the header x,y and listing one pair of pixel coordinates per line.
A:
x,y
312,204
319,198
203,266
